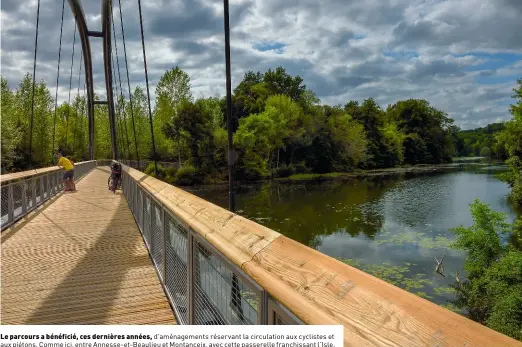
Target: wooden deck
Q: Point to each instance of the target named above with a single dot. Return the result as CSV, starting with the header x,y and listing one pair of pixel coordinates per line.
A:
x,y
80,259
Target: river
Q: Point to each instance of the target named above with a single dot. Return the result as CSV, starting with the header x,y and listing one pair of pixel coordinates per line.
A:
x,y
392,227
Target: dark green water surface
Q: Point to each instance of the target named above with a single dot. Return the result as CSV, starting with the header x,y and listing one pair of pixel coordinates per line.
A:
x,y
393,227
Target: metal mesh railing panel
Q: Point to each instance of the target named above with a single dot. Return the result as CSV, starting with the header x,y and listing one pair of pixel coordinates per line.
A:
x,y
18,190
139,207
46,187
147,229
220,296
4,192
157,234
29,193
23,195
176,276
38,190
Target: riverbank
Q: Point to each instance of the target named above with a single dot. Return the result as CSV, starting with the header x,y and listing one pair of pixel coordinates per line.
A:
x,y
356,174
359,174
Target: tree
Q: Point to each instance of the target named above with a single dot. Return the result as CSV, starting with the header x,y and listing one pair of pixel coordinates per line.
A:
x,y
393,139
11,134
425,128
255,142
492,291
172,90
339,143
485,152
278,81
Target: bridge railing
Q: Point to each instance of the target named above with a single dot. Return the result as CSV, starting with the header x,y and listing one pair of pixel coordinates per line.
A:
x,y
142,164
220,268
22,192
202,284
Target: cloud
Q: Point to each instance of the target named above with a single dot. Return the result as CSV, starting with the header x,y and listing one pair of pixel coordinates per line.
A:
x,y
463,61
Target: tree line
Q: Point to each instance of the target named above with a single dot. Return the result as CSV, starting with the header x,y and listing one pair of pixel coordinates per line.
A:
x,y
481,142
280,128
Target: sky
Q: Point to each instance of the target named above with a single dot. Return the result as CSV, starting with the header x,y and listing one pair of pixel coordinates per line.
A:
x,y
463,56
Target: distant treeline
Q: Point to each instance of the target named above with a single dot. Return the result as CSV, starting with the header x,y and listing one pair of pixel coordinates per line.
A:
x,y
280,128
481,142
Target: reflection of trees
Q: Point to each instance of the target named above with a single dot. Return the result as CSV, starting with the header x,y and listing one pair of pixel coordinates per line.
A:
x,y
308,211
304,212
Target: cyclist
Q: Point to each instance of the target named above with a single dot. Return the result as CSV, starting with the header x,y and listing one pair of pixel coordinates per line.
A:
x,y
115,174
68,176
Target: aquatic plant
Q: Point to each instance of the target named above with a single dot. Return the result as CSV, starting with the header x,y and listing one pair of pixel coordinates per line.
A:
x,y
393,274
418,239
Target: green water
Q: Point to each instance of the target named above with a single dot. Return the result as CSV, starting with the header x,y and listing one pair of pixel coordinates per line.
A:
x,y
393,228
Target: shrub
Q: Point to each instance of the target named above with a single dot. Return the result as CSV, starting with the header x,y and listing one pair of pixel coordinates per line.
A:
x,y
300,168
149,170
284,171
186,176
492,291
171,171
170,179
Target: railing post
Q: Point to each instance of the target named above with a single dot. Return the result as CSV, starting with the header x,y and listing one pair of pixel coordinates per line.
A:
x,y
263,308
190,279
10,203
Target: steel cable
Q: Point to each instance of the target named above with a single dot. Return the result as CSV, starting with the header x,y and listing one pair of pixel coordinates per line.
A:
x,y
57,84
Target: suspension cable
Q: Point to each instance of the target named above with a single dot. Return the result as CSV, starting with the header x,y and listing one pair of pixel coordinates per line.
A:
x,y
121,89
57,82
148,93
34,82
77,104
128,83
70,86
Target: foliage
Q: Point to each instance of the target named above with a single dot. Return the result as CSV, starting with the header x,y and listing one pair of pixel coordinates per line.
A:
x,y
485,152
68,127
150,170
186,176
172,90
11,133
492,291
472,142
511,138
279,129
425,128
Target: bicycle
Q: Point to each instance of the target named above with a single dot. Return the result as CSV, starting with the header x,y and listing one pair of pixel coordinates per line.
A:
x,y
114,182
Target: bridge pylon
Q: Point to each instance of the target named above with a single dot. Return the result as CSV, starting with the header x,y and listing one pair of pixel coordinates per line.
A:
x,y
105,35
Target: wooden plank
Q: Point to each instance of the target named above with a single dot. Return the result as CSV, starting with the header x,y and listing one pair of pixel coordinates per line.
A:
x,y
322,290
80,260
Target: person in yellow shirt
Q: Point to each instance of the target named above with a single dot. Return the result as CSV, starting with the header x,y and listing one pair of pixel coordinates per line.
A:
x,y
68,176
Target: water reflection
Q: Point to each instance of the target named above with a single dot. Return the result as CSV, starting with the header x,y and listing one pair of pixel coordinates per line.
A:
x,y
392,228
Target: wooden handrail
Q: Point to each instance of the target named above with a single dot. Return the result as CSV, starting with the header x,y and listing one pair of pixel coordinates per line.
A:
x,y
29,173
319,289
